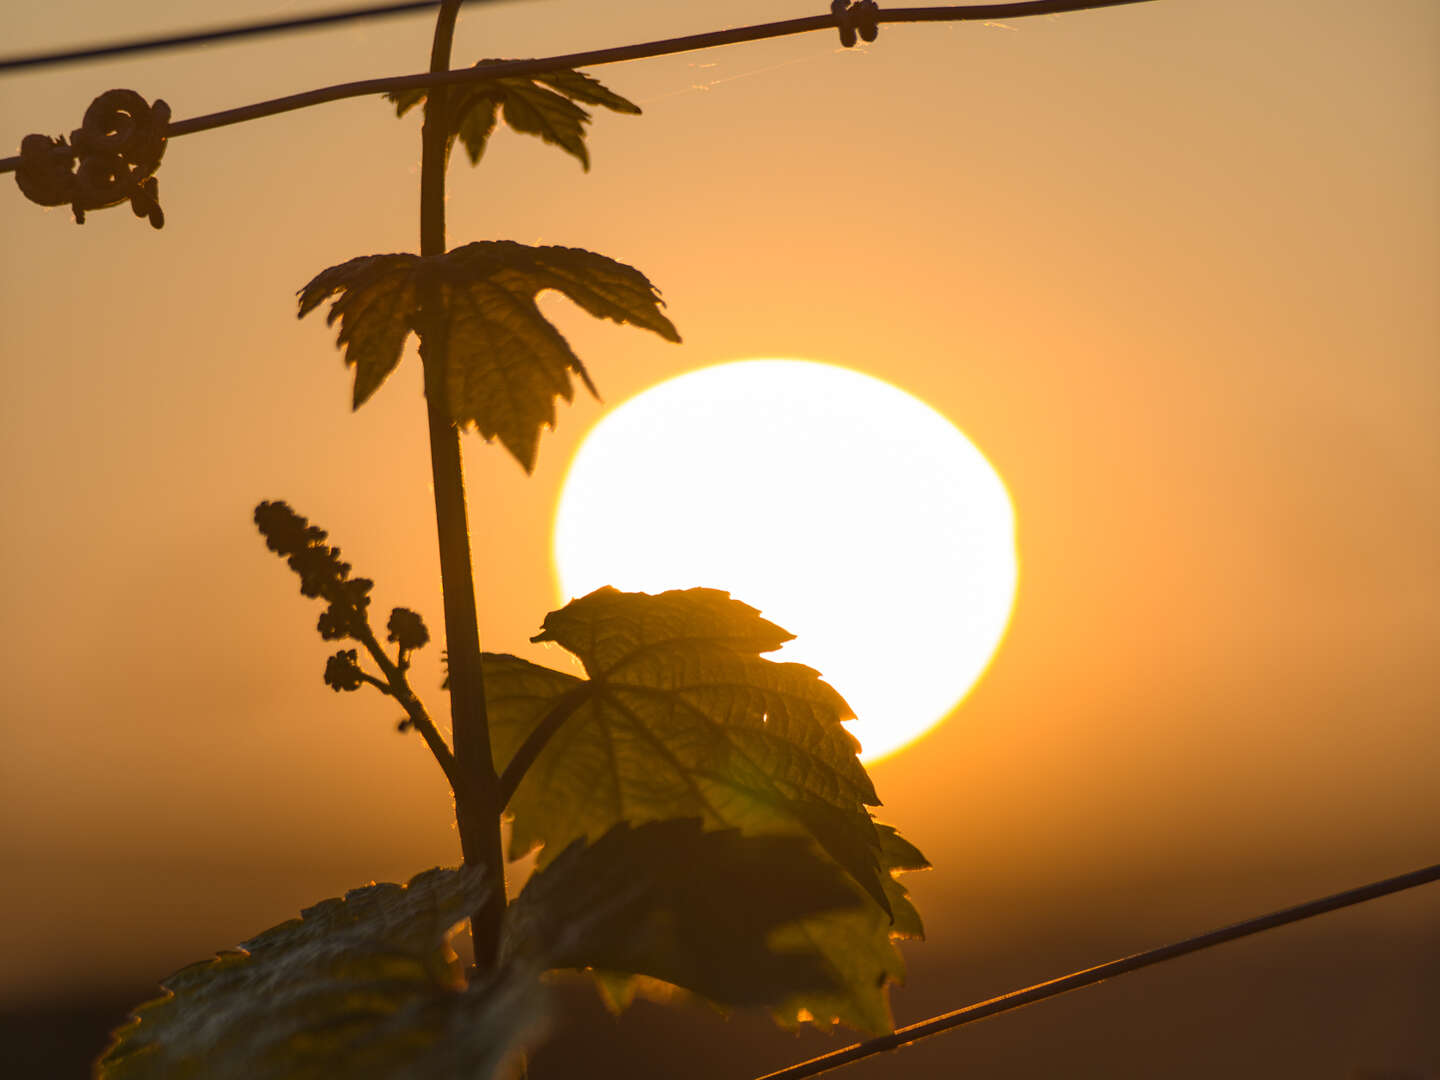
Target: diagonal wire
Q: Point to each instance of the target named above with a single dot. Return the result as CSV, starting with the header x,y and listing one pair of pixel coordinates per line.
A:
x,y
1031,994
221,33
514,68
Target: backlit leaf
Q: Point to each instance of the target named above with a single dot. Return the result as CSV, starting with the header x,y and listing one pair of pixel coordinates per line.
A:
x,y
858,945
542,105
365,986
681,716
506,364
696,909
375,305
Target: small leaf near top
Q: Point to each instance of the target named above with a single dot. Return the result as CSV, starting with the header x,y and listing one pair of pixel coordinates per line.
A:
x,y
505,364
542,105
680,715
697,909
365,986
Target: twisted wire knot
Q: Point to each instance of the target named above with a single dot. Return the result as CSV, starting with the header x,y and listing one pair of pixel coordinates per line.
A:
x,y
118,147
861,18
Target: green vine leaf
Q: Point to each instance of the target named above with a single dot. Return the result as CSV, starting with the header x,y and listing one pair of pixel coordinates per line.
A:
x,y
696,909
365,986
859,946
544,105
856,946
680,715
506,364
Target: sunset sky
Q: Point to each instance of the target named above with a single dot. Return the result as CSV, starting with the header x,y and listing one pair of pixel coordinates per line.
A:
x,y
1173,268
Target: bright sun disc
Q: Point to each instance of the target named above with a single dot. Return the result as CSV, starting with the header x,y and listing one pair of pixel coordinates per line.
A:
x,y
847,511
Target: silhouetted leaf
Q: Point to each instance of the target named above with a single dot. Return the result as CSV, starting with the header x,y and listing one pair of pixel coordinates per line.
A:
x,y
855,946
858,946
376,306
506,364
681,716
365,987
543,105
696,909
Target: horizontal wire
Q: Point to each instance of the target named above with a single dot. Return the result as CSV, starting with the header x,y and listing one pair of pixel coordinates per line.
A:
x,y
645,50
1014,1000
222,33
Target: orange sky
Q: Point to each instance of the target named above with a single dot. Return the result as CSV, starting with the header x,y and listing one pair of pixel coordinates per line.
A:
x,y
1173,268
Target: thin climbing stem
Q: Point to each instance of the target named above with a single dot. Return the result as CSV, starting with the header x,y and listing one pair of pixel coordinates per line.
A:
x,y
441,77
1031,994
477,804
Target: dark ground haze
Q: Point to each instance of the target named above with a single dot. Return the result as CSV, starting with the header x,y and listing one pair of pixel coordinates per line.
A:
x,y
1351,995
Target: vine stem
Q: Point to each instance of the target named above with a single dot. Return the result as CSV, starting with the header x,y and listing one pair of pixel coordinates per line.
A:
x,y
477,803
439,77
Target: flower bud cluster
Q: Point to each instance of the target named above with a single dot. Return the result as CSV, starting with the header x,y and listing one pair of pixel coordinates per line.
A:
x,y
342,671
407,629
322,572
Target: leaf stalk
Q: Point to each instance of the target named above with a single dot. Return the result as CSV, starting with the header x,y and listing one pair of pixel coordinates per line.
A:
x,y
553,720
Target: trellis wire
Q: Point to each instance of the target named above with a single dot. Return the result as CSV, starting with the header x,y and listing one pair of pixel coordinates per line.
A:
x,y
669,46
1074,981
223,33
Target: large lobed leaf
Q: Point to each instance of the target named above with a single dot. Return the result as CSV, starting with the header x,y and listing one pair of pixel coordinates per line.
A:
x,y
680,715
365,986
505,364
696,909
544,105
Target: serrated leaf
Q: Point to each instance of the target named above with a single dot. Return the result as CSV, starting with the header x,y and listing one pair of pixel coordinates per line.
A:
x,y
506,364
856,946
375,305
681,716
543,105
859,947
475,122
364,986
531,109
405,100
581,87
696,909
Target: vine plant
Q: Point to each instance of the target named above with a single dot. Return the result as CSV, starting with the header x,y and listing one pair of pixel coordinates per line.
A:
x,y
700,813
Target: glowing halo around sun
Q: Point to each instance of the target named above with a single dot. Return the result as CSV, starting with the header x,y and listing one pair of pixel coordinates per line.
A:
x,y
849,512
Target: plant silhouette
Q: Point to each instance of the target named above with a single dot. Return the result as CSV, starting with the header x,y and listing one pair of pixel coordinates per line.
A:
x,y
701,815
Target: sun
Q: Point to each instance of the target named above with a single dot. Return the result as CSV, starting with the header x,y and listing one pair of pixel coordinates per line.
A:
x,y
849,512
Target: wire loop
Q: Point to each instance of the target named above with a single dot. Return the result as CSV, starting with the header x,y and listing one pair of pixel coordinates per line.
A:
x,y
860,19
867,19
117,148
